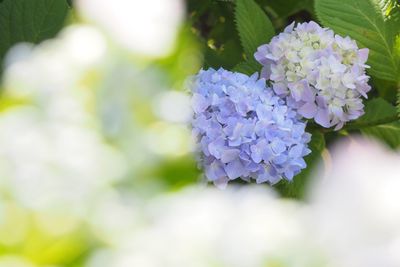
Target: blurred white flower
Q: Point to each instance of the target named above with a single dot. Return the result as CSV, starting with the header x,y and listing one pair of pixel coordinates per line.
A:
x,y
115,216
207,227
173,106
53,165
147,28
356,206
54,66
53,156
168,139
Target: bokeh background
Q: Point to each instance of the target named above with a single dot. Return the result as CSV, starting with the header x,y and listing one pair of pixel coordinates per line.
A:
x,y
98,167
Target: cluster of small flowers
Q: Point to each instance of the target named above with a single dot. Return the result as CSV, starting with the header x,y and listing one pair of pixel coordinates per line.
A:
x,y
244,130
248,130
319,73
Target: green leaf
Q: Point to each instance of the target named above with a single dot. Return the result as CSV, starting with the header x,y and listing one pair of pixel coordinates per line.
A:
x,y
373,24
183,61
398,101
253,25
29,21
386,89
289,8
247,67
227,57
297,187
380,121
377,109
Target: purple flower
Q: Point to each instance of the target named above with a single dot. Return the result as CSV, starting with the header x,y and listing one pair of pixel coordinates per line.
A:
x,y
320,74
244,130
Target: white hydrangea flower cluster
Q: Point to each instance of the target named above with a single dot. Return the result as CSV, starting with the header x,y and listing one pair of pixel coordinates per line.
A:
x,y
318,72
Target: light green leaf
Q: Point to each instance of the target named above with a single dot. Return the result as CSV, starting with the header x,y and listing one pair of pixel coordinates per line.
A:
x,y
373,24
297,187
29,21
253,25
381,121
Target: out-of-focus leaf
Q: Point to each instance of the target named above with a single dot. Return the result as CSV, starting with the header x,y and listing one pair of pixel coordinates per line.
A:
x,y
289,7
178,172
29,21
253,25
377,113
373,24
184,61
398,101
197,8
297,187
227,56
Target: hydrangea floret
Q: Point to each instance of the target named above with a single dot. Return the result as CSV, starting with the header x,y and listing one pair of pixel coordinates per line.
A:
x,y
318,72
244,130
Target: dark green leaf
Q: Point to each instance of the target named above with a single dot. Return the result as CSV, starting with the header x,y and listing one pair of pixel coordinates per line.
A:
x,y
398,101
384,88
289,8
247,67
253,25
227,56
29,21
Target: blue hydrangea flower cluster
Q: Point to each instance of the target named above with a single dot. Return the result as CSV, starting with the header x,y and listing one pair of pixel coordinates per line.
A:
x,y
244,130
319,73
